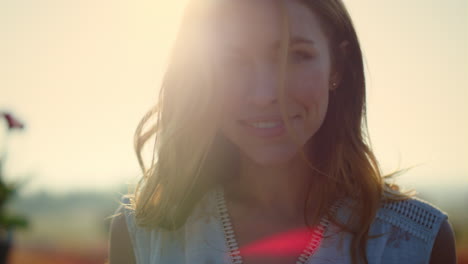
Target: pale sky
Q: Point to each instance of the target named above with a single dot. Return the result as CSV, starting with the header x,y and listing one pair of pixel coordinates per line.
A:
x,y
80,74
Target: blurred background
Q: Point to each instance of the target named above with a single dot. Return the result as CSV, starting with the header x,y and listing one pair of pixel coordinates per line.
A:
x,y
77,76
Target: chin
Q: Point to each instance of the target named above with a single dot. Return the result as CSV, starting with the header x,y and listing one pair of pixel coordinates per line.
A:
x,y
272,157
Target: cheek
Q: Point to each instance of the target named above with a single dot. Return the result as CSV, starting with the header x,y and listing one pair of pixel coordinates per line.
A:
x,y
310,89
232,98
233,89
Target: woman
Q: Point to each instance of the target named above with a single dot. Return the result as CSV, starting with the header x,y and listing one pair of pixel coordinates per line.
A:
x,y
261,153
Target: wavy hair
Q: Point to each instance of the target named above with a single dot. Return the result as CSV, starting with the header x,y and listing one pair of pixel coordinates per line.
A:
x,y
190,156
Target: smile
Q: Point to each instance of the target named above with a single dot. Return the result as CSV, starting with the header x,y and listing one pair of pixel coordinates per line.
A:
x,y
266,127
266,124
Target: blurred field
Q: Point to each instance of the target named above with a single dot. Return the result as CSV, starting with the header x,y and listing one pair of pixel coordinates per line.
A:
x,y
73,229
40,255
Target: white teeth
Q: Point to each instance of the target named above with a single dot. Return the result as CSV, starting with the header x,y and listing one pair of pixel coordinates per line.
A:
x,y
266,124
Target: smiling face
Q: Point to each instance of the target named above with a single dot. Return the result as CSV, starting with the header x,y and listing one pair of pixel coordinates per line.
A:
x,y
249,36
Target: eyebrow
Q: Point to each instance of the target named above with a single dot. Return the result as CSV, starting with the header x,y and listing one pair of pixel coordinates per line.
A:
x,y
276,45
298,39
295,40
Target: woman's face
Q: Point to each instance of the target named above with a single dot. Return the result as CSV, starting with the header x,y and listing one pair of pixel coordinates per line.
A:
x,y
247,50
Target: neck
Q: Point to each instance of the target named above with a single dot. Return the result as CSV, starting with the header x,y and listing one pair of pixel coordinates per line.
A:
x,y
278,189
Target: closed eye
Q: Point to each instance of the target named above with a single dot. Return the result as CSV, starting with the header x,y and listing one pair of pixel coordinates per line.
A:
x,y
301,55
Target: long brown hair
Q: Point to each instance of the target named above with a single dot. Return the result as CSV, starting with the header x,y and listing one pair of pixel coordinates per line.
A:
x,y
345,156
190,156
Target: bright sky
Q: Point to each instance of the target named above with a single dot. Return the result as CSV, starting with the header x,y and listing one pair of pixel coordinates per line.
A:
x,y
80,74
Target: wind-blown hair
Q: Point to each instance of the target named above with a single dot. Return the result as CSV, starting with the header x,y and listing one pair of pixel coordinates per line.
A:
x,y
190,156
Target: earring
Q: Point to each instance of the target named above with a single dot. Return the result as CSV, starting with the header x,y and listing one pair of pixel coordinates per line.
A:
x,y
334,85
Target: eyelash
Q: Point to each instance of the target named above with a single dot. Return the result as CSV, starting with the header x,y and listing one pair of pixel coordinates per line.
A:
x,y
300,56
295,56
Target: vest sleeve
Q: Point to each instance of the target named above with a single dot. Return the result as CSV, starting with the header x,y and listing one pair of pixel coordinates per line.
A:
x,y
411,229
139,237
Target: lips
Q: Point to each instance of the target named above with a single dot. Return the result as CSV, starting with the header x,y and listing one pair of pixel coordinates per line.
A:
x,y
266,126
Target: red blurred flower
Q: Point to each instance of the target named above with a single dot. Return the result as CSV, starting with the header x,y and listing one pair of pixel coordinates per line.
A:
x,y
13,123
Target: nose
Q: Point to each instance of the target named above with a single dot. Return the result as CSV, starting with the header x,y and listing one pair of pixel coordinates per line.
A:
x,y
264,86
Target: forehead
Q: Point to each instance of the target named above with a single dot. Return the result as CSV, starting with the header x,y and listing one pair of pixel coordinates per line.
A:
x,y
260,21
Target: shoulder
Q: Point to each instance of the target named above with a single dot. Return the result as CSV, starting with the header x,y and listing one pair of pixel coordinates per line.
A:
x,y
120,245
443,250
152,243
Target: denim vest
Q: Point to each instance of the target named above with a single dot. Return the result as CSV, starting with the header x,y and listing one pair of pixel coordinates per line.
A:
x,y
402,232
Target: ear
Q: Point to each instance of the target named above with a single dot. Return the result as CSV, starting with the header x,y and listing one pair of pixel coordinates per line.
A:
x,y
338,68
